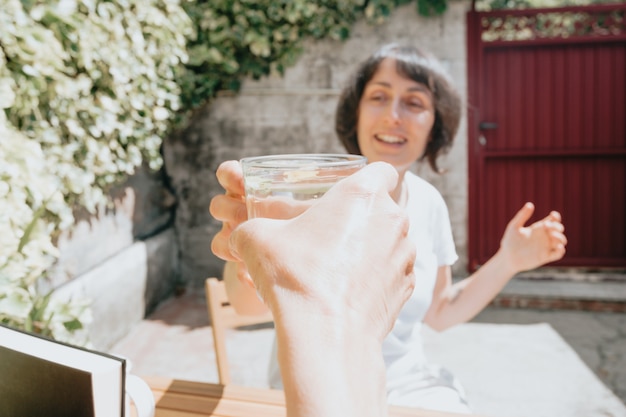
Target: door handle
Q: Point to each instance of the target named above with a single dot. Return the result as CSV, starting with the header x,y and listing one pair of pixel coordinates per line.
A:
x,y
487,126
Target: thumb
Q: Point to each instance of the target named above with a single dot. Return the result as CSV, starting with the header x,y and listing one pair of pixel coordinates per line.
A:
x,y
522,216
376,176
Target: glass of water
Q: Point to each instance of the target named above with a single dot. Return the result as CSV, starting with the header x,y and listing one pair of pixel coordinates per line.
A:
x,y
283,186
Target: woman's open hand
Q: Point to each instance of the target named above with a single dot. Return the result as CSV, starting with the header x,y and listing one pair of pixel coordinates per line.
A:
x,y
528,247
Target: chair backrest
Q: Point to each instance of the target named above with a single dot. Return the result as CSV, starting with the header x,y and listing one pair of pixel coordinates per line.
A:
x,y
223,317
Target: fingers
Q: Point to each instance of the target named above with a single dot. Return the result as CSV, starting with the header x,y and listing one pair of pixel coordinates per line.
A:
x,y
554,227
556,233
231,212
553,221
227,208
230,177
558,240
371,184
555,230
555,216
220,245
562,239
556,252
522,216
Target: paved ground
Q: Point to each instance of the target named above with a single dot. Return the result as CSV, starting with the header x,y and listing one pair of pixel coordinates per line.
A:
x,y
598,338
587,310
176,341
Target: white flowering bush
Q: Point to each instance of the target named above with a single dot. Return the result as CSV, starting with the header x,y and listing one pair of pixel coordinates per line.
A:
x,y
87,88
33,208
94,83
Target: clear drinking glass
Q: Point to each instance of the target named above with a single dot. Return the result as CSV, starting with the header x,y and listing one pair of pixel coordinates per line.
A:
x,y
283,186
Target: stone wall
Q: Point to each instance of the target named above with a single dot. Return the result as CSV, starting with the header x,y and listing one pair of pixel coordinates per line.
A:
x,y
295,113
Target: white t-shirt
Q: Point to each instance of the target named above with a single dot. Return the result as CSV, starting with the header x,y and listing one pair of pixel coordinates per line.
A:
x,y
431,232
411,380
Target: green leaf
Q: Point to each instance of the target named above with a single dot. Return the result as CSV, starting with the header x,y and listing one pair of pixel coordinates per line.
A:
x,y
73,325
29,229
40,306
431,7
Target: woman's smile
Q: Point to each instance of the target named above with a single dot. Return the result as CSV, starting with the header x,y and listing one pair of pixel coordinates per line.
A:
x,y
390,139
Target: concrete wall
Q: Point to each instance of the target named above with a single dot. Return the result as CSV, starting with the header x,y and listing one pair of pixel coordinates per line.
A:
x,y
125,286
123,260
295,113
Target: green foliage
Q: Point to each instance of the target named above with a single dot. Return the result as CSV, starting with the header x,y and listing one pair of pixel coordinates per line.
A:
x,y
252,38
432,7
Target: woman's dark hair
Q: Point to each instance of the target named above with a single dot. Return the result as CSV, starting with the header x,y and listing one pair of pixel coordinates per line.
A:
x,y
417,66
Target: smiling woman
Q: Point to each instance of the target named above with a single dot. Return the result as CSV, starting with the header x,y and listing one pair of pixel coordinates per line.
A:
x,y
400,107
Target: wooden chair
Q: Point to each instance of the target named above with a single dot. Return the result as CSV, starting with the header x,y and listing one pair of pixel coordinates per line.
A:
x,y
223,317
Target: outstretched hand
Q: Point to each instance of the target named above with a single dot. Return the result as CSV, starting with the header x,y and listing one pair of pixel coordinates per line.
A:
x,y
335,278
528,247
347,258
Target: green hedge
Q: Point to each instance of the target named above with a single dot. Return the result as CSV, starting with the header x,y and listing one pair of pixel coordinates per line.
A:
x,y
251,38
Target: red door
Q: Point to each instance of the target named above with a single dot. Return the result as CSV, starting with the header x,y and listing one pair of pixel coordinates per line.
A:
x,y
547,124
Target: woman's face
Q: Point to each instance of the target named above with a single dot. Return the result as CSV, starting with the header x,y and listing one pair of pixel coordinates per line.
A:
x,y
396,115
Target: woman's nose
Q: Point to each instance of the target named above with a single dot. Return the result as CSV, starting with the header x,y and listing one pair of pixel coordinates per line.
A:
x,y
393,111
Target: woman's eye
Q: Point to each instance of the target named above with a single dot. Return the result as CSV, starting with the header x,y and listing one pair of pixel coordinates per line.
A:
x,y
415,103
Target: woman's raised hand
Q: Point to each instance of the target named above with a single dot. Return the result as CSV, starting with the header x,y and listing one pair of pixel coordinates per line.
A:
x,y
528,247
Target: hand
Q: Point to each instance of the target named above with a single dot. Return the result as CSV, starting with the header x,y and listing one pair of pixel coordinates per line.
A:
x,y
229,208
347,259
540,243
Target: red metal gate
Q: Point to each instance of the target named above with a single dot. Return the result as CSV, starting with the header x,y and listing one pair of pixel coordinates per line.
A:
x,y
547,124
